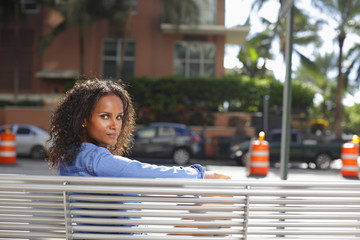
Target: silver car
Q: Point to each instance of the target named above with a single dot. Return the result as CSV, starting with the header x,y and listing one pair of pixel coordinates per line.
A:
x,y
30,140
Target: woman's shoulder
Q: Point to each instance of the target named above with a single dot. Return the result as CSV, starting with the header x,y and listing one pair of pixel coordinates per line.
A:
x,y
88,149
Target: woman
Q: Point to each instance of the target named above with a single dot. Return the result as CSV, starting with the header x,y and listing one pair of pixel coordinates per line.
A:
x,y
91,130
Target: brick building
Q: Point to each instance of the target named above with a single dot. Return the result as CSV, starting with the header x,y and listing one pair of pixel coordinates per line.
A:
x,y
154,49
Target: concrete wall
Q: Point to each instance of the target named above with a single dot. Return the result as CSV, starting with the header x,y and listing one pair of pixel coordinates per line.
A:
x,y
37,116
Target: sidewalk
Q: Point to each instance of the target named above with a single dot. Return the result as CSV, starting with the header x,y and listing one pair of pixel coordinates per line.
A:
x,y
275,174
39,167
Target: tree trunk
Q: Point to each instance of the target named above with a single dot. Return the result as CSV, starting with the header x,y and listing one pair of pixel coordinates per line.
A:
x,y
81,49
125,40
17,55
339,90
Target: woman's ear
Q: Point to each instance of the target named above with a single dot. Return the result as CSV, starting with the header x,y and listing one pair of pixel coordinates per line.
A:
x,y
84,124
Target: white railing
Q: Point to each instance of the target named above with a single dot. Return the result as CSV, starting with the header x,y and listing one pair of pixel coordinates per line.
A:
x,y
51,207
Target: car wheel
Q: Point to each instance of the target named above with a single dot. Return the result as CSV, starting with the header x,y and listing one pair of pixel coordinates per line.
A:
x,y
323,161
38,152
181,156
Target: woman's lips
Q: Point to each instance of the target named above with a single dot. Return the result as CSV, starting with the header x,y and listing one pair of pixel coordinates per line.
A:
x,y
112,135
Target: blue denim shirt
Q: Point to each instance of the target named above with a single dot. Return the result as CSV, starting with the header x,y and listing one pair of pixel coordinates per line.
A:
x,y
97,161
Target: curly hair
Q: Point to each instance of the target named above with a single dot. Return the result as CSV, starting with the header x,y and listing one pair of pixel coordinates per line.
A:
x,y
77,106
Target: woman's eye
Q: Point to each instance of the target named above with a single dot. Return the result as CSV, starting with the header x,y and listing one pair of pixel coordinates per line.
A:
x,y
104,116
119,117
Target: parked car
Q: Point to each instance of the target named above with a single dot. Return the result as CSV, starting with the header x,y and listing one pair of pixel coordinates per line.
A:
x,y
30,140
173,140
303,148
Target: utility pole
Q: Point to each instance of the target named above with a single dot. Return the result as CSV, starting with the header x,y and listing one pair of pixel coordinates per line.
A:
x,y
287,9
266,114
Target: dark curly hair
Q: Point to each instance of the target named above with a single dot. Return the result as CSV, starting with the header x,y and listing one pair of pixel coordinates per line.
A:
x,y
77,106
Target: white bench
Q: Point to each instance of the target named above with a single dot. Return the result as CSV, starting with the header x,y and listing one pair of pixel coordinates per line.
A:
x,y
52,207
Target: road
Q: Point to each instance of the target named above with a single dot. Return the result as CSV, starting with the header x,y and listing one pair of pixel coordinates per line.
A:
x,y
299,172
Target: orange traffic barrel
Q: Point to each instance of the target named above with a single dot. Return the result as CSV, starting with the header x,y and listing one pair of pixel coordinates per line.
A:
x,y
259,157
205,219
349,158
7,147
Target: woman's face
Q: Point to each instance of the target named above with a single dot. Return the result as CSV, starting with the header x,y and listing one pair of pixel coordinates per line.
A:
x,y
104,125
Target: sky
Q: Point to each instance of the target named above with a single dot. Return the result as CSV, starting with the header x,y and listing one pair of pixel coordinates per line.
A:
x,y
236,12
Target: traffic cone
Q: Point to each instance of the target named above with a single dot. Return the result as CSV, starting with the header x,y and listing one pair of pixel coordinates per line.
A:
x,y
349,158
7,147
259,157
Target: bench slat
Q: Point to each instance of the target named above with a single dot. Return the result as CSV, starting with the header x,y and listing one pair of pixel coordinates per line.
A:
x,y
52,207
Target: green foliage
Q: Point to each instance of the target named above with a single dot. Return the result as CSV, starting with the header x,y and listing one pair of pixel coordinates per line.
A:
x,y
352,119
194,100
180,12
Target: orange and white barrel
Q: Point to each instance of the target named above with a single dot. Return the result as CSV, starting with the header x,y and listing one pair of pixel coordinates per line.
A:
x,y
259,158
7,148
206,219
349,158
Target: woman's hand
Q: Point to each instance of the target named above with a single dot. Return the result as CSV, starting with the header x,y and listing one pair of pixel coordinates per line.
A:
x,y
214,175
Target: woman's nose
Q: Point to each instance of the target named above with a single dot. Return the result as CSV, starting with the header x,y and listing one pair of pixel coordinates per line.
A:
x,y
115,123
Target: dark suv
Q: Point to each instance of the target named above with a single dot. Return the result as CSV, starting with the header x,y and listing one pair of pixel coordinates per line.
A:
x,y
167,140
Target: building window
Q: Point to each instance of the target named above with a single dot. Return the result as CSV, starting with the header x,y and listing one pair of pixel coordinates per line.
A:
x,y
112,56
207,11
206,15
194,59
29,6
108,4
134,6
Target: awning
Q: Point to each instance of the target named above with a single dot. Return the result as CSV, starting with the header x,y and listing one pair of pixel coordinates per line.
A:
x,y
236,35
57,74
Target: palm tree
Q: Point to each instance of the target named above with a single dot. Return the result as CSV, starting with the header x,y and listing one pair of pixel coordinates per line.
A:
x,y
83,13
119,18
304,33
345,14
316,73
74,13
353,56
250,55
118,14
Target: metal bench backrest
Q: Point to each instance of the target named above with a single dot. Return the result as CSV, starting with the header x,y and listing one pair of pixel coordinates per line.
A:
x,y
50,207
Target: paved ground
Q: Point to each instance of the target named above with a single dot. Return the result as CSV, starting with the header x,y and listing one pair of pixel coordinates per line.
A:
x,y
299,172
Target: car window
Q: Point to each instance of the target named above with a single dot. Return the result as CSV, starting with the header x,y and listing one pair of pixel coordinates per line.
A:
x,y
294,138
23,131
166,132
181,131
276,137
149,132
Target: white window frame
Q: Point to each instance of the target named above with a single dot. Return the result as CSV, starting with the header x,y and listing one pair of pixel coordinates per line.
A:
x,y
201,61
117,57
207,11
